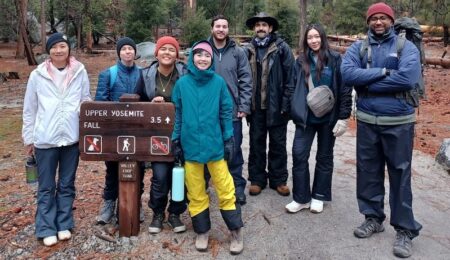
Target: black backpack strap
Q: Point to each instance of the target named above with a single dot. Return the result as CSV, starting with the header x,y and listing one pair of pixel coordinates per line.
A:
x,y
365,48
401,40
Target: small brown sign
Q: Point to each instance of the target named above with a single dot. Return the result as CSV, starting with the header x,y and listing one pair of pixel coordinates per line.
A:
x,y
127,171
133,131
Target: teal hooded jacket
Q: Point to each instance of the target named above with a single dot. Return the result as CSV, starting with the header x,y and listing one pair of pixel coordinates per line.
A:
x,y
203,113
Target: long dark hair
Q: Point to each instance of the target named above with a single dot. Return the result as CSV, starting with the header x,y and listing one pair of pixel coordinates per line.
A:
x,y
322,55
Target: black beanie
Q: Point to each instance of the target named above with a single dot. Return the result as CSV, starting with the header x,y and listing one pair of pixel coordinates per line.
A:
x,y
125,41
54,39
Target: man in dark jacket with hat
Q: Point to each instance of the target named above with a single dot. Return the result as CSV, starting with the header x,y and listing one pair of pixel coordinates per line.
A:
x,y
385,126
231,63
271,61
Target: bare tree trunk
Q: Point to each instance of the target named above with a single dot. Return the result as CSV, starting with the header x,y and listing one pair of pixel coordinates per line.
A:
x,y
79,23
88,27
302,25
24,35
20,48
446,34
43,27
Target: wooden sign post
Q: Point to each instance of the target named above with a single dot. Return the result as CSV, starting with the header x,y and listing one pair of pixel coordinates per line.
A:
x,y
127,132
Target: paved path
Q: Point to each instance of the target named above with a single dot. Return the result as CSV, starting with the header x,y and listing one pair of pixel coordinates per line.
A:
x,y
271,233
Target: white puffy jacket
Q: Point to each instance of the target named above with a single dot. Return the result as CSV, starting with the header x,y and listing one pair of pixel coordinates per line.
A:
x,y
50,115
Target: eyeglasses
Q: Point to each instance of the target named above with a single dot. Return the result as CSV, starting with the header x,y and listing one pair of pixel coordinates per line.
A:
x,y
382,19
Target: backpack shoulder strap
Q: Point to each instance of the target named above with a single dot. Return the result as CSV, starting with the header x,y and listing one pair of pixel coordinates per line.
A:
x,y
112,75
365,48
401,40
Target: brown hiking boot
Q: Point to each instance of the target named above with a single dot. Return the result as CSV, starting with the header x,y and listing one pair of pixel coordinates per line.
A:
x,y
254,190
283,190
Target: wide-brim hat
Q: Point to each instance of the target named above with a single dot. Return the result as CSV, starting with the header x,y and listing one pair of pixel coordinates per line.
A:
x,y
250,23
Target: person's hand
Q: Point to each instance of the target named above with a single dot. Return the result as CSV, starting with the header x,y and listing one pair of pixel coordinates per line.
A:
x,y
177,151
29,149
241,114
228,149
158,99
340,127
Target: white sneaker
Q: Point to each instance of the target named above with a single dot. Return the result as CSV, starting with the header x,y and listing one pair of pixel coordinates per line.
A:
x,y
64,235
294,207
50,241
316,206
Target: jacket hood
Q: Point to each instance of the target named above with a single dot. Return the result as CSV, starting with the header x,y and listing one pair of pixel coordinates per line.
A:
x,y
200,75
74,66
230,43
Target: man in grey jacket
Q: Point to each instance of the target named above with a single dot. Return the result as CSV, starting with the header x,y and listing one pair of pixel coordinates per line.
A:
x,y
232,64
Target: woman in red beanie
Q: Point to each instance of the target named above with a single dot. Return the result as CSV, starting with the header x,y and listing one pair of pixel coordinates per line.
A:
x,y
155,84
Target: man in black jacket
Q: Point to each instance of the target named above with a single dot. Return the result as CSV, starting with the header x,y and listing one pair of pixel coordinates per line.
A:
x,y
271,61
231,63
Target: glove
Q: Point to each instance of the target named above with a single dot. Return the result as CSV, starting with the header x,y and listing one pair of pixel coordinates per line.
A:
x,y
340,127
228,149
177,151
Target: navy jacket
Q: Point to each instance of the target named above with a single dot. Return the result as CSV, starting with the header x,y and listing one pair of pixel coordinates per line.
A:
x,y
404,75
125,82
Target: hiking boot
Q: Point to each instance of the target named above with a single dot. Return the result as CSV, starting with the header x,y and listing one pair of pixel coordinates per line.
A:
x,y
176,224
316,206
283,190
367,228
157,223
64,235
201,241
50,241
254,190
106,212
294,207
402,244
237,241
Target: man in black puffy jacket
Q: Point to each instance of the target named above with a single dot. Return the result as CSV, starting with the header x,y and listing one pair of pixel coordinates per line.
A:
x,y
271,61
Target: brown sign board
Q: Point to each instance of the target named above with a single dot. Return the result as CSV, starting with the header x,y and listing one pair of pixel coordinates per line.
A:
x,y
126,131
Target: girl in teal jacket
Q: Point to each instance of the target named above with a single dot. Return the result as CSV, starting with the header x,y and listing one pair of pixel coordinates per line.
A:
x,y
202,135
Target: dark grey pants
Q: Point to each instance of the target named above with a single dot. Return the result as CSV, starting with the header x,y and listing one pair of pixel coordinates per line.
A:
x,y
376,147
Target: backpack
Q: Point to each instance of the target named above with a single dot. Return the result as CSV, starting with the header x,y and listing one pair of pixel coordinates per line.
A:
x,y
406,29
112,75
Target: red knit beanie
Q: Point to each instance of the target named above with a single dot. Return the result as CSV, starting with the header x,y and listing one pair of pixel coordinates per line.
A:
x,y
167,40
380,8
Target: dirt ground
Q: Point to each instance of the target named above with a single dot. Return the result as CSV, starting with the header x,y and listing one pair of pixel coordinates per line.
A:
x,y
17,199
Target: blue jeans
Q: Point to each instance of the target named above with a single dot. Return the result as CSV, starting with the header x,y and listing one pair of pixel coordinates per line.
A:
x,y
321,189
236,163
55,200
159,190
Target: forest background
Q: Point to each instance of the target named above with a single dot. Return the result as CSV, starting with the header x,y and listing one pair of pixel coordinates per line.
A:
x,y
189,20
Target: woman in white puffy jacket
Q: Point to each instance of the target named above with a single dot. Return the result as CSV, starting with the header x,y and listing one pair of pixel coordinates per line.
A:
x,y
55,91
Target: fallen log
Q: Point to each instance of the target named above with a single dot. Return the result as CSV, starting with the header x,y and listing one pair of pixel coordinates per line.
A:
x,y
444,63
341,38
433,39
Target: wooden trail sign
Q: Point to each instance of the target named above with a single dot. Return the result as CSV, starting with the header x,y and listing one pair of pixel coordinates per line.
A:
x,y
126,132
